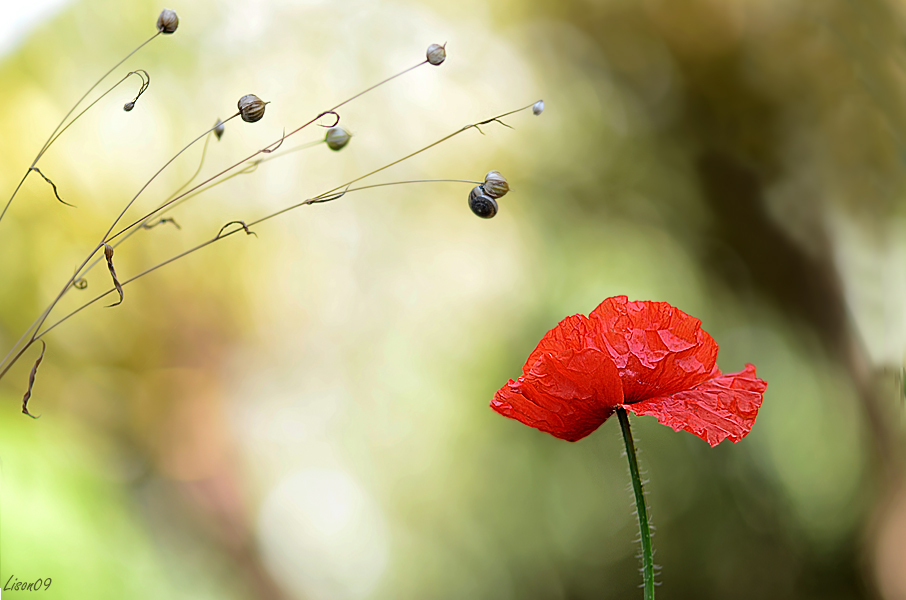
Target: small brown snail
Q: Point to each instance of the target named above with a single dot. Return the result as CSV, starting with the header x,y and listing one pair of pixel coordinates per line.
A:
x,y
481,204
495,185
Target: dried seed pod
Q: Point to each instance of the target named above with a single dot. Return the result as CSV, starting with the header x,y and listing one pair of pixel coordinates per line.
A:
x,y
538,108
108,254
481,204
128,106
251,108
31,382
167,22
218,129
495,185
337,138
436,54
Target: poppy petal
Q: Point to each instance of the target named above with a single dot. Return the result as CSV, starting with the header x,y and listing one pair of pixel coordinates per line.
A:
x,y
572,333
720,408
566,389
658,349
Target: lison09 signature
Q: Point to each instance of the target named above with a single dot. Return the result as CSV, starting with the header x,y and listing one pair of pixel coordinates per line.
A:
x,y
39,585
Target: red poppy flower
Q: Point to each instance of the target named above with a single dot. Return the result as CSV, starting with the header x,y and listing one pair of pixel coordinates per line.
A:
x,y
647,357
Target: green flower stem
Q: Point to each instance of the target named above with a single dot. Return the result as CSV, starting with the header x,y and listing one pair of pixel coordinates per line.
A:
x,y
641,508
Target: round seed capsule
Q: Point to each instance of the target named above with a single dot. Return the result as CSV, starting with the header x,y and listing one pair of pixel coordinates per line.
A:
x,y
218,129
481,204
538,107
436,54
495,185
128,106
251,108
337,138
167,22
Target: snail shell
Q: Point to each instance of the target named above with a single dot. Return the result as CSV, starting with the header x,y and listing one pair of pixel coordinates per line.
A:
x,y
495,185
481,204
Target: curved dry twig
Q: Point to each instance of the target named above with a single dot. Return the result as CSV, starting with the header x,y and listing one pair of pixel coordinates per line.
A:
x,y
60,128
494,120
31,382
327,197
161,221
146,81
108,254
330,112
53,185
244,228
268,149
110,235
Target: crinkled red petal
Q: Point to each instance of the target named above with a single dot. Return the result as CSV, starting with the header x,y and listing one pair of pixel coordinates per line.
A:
x,y
721,408
658,349
572,333
567,389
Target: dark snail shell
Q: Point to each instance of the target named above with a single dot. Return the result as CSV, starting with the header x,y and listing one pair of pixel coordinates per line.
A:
x,y
481,204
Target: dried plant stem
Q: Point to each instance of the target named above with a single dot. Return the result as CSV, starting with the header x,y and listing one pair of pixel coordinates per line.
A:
x,y
204,153
172,202
60,127
245,228
250,168
32,329
376,85
176,198
321,198
146,224
140,72
104,241
429,146
328,196
641,507
107,238
377,185
266,150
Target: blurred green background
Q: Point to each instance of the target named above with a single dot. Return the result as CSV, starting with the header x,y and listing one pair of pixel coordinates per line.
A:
x,y
305,414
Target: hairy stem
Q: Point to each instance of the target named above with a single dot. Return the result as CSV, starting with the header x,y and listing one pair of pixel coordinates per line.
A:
x,y
641,507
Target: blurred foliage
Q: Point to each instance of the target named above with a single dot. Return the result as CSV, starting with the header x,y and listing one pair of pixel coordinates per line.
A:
x,y
304,415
